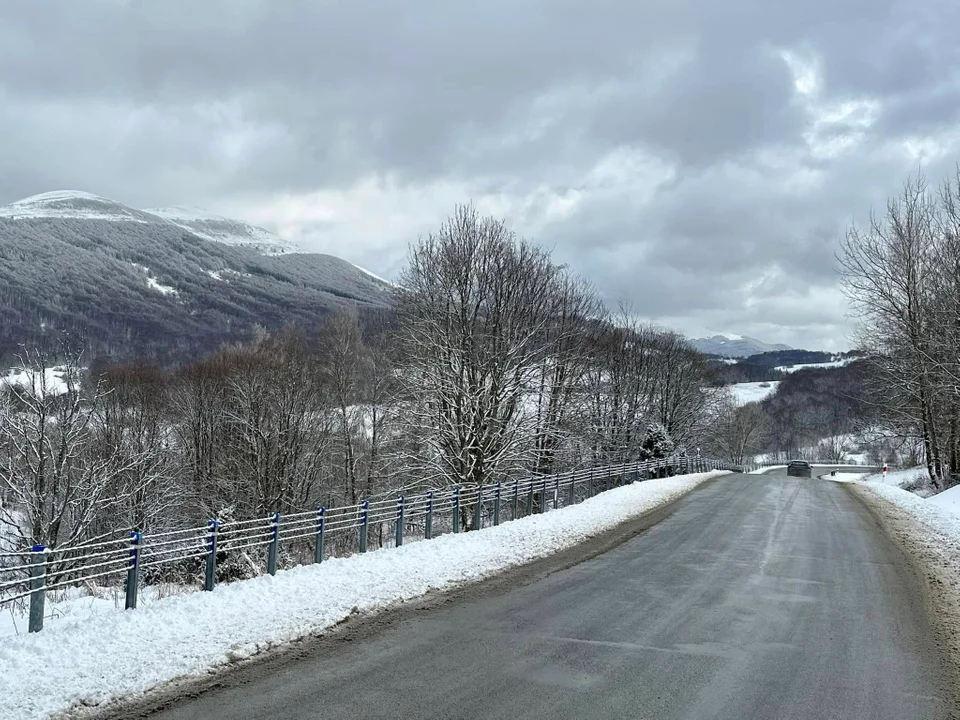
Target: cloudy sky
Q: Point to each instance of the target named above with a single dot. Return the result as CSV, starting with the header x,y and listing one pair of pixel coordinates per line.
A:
x,y
697,159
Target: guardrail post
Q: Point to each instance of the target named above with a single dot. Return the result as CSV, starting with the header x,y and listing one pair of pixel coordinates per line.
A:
x,y
38,581
530,497
210,572
364,524
133,572
318,547
428,524
456,509
496,505
399,528
274,545
478,510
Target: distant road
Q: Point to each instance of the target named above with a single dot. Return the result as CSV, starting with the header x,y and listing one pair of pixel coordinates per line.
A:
x,y
760,596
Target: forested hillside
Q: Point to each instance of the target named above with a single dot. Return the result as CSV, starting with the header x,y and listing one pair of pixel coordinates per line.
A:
x,y
152,289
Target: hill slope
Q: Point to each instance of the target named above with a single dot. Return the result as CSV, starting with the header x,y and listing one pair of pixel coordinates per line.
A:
x,y
137,284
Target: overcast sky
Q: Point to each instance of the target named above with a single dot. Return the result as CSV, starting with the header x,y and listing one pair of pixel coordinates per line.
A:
x,y
698,159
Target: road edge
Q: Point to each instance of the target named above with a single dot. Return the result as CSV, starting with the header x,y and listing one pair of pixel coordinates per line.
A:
x,y
937,581
360,627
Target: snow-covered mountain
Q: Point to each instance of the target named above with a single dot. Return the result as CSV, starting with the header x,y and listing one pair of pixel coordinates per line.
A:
x,y
161,284
225,230
734,346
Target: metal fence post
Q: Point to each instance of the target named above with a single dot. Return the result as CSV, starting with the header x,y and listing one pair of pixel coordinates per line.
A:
x,y
478,510
428,524
456,509
590,484
543,494
133,572
606,479
530,497
573,490
274,545
556,493
210,572
364,524
318,547
496,506
516,497
38,581
399,528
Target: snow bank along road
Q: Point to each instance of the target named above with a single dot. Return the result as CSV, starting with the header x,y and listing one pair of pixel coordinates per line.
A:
x,y
111,655
760,596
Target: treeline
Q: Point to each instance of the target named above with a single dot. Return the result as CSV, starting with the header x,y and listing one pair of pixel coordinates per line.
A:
x,y
816,414
495,362
902,274
763,366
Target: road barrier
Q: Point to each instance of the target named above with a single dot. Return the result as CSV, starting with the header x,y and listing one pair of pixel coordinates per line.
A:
x,y
28,575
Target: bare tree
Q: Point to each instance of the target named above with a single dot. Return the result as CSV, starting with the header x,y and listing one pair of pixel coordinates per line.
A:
x,y
474,308
56,476
886,271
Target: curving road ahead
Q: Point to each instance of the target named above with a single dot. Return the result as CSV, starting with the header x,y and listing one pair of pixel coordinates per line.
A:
x,y
760,596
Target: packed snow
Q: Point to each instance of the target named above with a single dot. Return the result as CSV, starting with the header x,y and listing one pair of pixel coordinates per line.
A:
x,y
749,392
114,654
940,519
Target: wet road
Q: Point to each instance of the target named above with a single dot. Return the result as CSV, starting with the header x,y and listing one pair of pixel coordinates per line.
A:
x,y
761,596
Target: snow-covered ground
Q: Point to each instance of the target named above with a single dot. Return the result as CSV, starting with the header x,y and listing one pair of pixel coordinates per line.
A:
x,y
52,383
112,654
839,362
931,517
915,480
749,392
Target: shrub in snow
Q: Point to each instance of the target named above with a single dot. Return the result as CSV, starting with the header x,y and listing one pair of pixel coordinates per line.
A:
x,y
657,444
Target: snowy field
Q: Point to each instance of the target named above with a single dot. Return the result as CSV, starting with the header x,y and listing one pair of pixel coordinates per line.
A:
x,y
113,654
749,392
841,362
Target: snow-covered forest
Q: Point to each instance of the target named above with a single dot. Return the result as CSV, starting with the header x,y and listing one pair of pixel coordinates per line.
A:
x,y
495,362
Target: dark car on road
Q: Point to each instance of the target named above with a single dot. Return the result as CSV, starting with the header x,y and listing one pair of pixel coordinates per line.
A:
x,y
799,468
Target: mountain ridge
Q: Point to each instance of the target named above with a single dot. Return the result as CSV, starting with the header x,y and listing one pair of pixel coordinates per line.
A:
x,y
133,284
734,346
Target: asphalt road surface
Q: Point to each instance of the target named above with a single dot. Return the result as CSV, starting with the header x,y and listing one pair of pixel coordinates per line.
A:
x,y
761,596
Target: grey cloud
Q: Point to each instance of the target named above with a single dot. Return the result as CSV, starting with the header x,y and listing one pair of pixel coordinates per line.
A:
x,y
180,102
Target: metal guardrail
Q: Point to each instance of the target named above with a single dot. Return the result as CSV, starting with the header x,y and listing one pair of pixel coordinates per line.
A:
x,y
29,574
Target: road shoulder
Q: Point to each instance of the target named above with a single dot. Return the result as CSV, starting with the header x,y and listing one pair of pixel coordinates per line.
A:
x,y
932,557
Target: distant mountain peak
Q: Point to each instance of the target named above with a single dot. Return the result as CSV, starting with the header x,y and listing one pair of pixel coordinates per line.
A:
x,y
75,204
736,346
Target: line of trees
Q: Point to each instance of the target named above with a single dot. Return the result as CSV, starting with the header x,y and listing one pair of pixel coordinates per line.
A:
x,y
494,362
902,274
